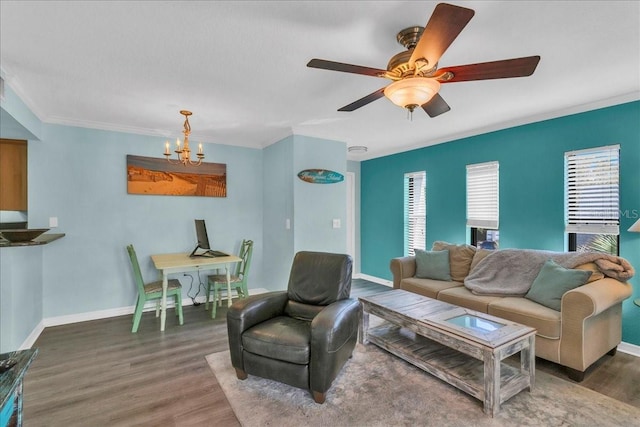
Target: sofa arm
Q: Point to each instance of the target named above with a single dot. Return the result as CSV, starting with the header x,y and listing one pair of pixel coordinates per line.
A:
x,y
591,321
595,297
401,268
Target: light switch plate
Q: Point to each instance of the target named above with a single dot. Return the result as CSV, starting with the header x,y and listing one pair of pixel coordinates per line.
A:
x,y
53,222
336,223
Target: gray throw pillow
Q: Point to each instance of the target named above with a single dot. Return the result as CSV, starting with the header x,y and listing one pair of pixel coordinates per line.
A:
x,y
553,281
432,265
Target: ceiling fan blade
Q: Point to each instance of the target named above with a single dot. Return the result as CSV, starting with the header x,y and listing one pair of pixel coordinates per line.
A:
x,y
517,67
364,101
436,106
445,24
346,68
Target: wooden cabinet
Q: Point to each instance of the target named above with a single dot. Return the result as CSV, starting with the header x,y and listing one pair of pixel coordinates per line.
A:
x,y
13,175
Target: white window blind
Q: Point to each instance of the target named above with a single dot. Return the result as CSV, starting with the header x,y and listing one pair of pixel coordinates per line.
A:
x,y
592,190
483,203
415,212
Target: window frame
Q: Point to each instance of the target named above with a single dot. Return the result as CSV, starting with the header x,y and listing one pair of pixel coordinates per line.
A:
x,y
413,217
483,210
595,215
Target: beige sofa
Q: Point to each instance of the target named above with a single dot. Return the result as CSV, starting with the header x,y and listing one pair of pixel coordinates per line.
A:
x,y
588,326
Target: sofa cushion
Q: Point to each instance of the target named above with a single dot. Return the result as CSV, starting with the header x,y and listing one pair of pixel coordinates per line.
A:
x,y
479,256
596,274
463,297
553,281
521,310
427,287
432,265
460,257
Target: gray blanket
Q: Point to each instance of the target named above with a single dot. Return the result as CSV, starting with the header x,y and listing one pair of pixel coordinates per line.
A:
x,y
512,271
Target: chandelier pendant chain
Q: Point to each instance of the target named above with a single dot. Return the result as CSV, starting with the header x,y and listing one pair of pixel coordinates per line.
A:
x,y
184,153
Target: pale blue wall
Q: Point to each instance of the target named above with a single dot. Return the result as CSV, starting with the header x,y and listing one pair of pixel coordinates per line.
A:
x,y
354,168
309,207
20,294
18,121
277,190
79,176
316,205
531,189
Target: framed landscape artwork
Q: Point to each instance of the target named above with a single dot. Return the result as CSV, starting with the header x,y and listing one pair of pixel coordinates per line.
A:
x,y
152,176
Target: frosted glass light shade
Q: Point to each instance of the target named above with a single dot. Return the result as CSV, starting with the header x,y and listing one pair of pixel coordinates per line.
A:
x,y
635,227
414,91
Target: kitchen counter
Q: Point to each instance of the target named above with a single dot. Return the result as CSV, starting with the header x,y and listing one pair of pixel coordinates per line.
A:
x,y
42,239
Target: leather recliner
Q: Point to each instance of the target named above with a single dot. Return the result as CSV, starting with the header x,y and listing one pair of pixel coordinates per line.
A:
x,y
301,336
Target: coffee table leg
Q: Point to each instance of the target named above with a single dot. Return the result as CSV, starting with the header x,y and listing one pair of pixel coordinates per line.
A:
x,y
363,327
491,383
528,361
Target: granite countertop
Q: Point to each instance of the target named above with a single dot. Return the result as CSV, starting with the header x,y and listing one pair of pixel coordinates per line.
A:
x,y
42,239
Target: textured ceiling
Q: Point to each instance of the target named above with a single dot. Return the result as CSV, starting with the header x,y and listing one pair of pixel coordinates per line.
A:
x,y
241,66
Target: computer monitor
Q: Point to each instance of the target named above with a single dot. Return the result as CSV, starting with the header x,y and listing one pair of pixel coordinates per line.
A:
x,y
203,238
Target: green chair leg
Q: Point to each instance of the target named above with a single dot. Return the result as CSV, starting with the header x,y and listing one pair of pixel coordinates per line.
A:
x,y
208,294
245,291
137,315
179,309
214,303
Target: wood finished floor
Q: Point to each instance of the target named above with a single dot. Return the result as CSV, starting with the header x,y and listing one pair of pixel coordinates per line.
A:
x,y
100,374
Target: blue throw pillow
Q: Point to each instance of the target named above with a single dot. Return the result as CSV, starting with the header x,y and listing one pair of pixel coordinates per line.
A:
x,y
553,281
432,265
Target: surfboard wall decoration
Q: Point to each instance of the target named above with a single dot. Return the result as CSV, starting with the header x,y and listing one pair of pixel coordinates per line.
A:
x,y
320,176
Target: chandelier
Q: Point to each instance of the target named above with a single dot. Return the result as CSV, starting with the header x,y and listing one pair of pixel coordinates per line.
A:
x,y
184,153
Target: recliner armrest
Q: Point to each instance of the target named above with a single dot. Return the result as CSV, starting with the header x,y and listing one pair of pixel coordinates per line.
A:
x,y
247,312
255,309
334,333
334,325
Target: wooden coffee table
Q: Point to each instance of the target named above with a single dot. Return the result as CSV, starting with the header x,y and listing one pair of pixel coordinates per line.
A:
x,y
463,347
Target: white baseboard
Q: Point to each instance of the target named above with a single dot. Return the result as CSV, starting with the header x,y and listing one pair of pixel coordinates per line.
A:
x,y
105,314
373,279
631,349
624,347
33,336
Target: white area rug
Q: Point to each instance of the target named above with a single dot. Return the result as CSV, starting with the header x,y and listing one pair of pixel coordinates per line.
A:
x,y
376,388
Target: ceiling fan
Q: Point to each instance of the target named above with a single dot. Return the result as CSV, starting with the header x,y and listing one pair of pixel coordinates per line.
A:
x,y
415,73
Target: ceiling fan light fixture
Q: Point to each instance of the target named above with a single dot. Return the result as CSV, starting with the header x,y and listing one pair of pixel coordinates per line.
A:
x,y
412,92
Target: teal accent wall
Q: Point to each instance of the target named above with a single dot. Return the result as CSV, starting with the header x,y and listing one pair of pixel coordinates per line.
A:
x,y
531,189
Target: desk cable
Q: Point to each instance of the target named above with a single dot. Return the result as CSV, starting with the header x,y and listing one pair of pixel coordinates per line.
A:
x,y
200,286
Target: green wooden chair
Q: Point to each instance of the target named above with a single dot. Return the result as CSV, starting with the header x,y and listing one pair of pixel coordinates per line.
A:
x,y
218,282
151,291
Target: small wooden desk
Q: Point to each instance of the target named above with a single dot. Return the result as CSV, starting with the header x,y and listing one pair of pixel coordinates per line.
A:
x,y
182,263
